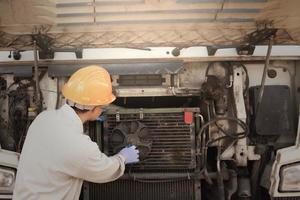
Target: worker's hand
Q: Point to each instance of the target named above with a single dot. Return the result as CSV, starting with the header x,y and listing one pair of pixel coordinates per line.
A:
x,y
131,154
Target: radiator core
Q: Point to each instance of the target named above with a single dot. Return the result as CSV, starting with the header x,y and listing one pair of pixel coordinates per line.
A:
x,y
173,140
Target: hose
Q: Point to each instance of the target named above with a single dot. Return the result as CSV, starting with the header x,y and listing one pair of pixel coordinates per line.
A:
x,y
202,136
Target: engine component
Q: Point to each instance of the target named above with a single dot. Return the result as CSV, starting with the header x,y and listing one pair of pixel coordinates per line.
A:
x,y
275,114
3,84
244,187
133,132
214,89
173,140
240,152
18,114
6,140
170,140
232,185
135,190
141,80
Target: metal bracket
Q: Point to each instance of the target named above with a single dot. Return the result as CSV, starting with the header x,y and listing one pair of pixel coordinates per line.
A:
x,y
240,152
254,38
245,49
248,45
211,50
141,114
46,50
77,51
118,116
44,42
260,35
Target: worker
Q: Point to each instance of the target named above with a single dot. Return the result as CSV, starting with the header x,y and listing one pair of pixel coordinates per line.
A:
x,y
57,156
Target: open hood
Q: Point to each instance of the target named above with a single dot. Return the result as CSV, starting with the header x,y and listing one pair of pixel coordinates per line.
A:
x,y
145,23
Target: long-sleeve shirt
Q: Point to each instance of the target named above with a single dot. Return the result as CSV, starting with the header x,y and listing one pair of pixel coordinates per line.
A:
x,y
57,157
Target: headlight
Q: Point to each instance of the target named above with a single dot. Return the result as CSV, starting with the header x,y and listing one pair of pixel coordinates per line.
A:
x,y
7,179
290,178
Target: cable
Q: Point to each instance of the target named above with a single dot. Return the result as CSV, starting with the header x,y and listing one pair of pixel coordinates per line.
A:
x,y
36,78
235,136
263,80
231,135
216,140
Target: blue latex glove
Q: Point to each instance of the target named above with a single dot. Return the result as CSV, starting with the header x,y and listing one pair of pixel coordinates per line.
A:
x,y
130,153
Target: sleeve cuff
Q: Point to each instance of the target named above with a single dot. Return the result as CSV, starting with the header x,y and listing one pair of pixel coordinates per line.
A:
x,y
121,157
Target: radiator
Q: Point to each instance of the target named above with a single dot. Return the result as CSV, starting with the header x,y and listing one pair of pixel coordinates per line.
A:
x,y
133,190
172,155
173,139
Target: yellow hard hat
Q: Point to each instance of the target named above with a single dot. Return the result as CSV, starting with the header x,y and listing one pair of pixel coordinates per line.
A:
x,y
90,86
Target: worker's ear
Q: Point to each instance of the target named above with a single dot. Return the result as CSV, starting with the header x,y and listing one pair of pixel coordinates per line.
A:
x,y
95,112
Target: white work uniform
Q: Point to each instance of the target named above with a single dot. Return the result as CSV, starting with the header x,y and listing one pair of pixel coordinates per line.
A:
x,y
57,157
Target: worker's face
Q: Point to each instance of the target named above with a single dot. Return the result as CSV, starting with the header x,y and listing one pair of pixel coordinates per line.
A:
x,y
95,113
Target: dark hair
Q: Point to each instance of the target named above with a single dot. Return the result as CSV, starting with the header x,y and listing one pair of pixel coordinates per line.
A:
x,y
79,111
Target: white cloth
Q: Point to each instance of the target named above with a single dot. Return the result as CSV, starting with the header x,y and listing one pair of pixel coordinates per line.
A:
x,y
57,157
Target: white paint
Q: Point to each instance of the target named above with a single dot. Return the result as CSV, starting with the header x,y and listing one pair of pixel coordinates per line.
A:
x,y
255,72
156,52
25,56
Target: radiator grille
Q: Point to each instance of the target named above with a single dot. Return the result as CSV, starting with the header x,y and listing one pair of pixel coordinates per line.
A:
x,y
133,190
173,140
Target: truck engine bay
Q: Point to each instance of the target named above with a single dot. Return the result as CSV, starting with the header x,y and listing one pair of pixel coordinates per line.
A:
x,y
202,129
208,91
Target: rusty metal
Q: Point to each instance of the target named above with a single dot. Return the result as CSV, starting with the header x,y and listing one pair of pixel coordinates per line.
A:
x,y
173,141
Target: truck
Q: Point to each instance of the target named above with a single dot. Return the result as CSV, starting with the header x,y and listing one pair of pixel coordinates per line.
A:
x,y
208,91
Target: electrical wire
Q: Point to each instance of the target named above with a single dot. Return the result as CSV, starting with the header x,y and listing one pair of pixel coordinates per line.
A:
x,y
231,135
206,144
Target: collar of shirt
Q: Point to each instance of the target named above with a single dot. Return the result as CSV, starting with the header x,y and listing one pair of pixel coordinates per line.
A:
x,y
72,116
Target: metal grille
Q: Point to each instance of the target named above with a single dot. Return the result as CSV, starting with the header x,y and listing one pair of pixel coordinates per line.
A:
x,y
141,80
287,198
173,141
133,190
